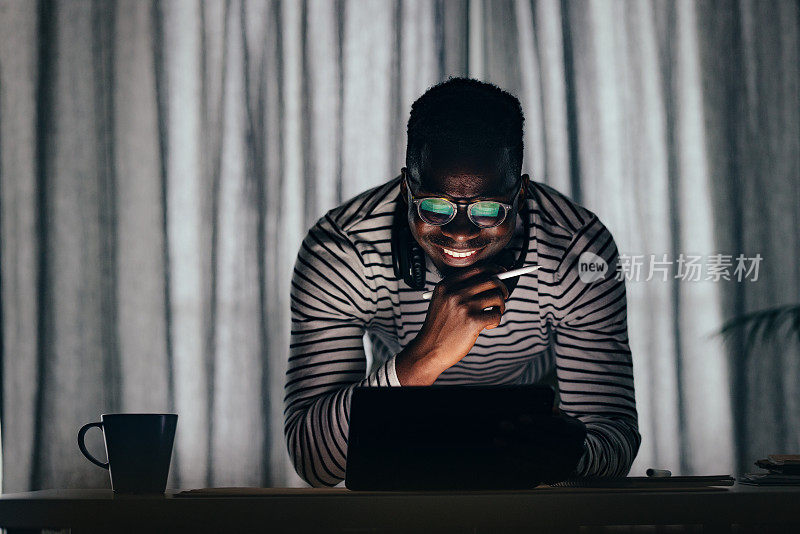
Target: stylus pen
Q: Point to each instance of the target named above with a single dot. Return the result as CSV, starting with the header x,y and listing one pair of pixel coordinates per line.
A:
x,y
502,276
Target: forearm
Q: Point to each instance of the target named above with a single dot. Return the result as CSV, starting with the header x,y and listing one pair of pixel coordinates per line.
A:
x,y
316,428
611,447
317,425
415,366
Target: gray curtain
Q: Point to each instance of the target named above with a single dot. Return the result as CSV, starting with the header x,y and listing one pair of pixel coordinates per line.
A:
x,y
161,161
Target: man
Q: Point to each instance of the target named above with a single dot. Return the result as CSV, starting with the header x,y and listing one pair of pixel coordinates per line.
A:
x,y
465,210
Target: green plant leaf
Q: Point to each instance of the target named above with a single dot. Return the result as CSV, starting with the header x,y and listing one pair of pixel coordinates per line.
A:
x,y
764,325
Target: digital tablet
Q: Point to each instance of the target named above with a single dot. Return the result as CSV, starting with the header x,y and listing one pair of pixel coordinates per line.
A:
x,y
439,437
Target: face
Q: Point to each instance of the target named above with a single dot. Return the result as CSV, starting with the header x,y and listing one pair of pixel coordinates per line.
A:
x,y
461,236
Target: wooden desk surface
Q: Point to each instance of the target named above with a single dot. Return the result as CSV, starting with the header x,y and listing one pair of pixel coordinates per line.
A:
x,y
340,510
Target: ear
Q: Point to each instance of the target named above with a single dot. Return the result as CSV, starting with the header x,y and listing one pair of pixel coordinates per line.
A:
x,y
404,185
524,186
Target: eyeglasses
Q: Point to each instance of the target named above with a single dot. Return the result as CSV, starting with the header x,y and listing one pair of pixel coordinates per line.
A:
x,y
439,211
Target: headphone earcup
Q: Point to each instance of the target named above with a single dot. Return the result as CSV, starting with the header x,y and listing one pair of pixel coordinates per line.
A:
x,y
507,258
408,258
417,265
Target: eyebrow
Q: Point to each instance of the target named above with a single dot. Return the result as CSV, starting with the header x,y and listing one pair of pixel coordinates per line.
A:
x,y
423,192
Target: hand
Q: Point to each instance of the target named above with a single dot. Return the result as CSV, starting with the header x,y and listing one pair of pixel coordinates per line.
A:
x,y
456,316
556,439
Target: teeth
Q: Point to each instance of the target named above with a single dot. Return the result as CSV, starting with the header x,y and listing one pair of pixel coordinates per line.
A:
x,y
458,254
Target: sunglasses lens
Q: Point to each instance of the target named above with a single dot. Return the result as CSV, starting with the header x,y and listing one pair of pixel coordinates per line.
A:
x,y
487,214
436,211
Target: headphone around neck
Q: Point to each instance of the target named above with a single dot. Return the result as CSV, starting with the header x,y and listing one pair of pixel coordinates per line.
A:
x,y
408,258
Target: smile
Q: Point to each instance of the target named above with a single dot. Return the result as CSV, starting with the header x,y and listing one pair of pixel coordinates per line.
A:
x,y
454,254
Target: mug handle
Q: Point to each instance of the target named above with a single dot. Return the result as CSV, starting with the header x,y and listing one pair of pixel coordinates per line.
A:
x,y
82,445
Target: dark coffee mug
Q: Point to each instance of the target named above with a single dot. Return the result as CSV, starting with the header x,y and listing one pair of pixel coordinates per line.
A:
x,y
138,447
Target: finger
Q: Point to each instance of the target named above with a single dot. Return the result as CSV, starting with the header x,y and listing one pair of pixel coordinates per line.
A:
x,y
474,286
462,275
503,287
464,291
453,277
489,318
489,299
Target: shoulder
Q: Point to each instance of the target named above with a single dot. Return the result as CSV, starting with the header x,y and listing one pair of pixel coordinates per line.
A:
x,y
371,209
557,210
358,231
570,233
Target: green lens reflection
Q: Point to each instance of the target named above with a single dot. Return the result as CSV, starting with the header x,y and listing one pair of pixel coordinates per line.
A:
x,y
486,209
436,205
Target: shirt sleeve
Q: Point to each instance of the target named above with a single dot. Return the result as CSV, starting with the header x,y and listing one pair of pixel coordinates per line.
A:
x,y
593,357
332,301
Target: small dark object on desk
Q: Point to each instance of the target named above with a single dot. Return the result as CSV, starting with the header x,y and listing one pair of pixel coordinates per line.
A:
x,y
658,473
783,470
785,464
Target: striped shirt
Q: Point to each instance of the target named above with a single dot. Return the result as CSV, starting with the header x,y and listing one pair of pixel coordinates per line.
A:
x,y
344,286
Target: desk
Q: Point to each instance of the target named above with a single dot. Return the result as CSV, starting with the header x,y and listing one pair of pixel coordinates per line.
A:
x,y
340,510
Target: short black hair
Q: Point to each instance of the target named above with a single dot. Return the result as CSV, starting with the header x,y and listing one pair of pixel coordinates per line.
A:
x,y
466,118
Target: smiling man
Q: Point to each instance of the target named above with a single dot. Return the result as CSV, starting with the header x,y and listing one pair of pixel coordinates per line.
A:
x,y
458,214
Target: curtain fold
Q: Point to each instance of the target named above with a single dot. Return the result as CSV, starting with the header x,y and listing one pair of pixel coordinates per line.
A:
x,y
161,161
751,97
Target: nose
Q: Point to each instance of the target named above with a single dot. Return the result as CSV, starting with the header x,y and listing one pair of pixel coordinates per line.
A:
x,y
460,229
